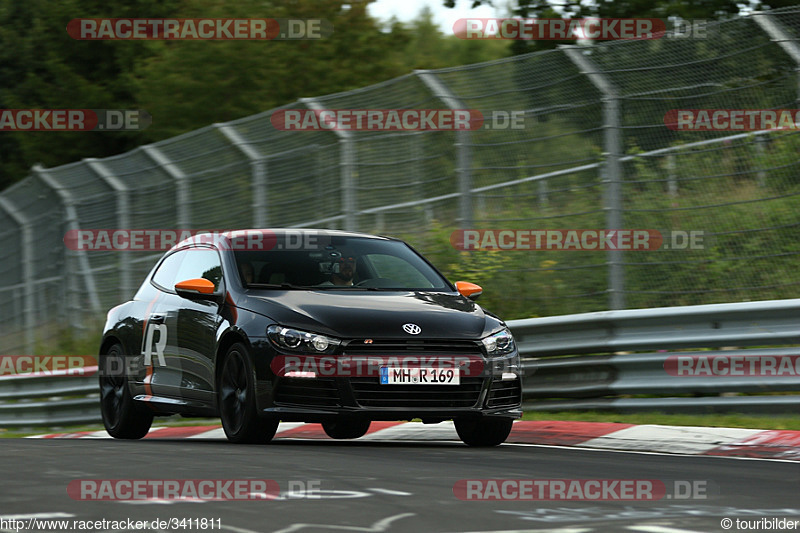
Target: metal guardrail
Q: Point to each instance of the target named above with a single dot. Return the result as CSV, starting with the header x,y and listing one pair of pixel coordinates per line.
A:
x,y
571,362
612,378
55,400
763,323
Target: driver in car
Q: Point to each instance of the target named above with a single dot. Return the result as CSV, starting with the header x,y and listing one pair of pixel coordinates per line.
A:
x,y
343,271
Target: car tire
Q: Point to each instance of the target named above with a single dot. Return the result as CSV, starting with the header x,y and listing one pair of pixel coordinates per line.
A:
x,y
484,432
346,429
123,417
237,400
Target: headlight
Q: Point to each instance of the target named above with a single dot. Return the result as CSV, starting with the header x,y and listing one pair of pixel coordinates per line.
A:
x,y
500,343
296,340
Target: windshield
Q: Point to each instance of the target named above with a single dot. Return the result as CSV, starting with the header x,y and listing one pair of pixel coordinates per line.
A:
x,y
339,262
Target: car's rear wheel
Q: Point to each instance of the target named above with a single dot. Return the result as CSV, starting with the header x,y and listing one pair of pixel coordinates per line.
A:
x,y
346,428
484,432
123,417
237,401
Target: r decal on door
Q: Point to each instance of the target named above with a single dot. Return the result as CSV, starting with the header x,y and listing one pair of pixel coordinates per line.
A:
x,y
160,343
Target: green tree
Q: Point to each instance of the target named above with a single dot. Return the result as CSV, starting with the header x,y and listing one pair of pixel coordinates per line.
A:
x,y
42,67
186,85
696,9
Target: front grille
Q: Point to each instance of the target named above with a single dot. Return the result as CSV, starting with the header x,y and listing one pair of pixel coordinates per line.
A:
x,y
412,347
504,393
308,392
370,393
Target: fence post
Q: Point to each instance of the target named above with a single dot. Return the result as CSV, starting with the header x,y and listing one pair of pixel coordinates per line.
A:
x,y
542,191
417,139
788,42
26,262
463,147
258,169
672,184
612,170
181,183
74,224
347,167
123,220
761,147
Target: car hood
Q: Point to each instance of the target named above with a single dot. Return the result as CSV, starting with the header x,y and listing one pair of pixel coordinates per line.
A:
x,y
370,314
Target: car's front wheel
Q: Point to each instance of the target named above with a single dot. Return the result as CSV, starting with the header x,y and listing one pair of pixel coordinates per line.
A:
x,y
123,417
346,429
237,400
484,432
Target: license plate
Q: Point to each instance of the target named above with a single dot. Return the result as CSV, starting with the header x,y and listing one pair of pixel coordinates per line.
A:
x,y
419,376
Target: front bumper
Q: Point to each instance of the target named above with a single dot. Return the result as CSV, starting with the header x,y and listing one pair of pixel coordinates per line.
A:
x,y
489,392
319,399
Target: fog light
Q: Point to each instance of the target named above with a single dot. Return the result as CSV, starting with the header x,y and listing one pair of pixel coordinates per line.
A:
x,y
509,376
300,374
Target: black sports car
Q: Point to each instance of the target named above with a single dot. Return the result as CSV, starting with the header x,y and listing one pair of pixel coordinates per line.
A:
x,y
262,326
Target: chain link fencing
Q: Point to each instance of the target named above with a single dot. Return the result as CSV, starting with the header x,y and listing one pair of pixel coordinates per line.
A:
x,y
594,153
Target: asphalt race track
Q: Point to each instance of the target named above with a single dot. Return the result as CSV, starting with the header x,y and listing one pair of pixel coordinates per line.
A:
x,y
390,486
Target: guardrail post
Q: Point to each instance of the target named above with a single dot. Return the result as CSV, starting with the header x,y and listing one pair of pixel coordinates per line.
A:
x,y
123,221
26,262
347,169
612,170
258,165
463,146
73,223
181,183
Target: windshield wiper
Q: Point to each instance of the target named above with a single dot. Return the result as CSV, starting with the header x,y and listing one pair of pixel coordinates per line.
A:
x,y
291,286
344,288
277,286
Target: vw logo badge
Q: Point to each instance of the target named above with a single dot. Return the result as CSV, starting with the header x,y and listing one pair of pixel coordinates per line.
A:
x,y
412,329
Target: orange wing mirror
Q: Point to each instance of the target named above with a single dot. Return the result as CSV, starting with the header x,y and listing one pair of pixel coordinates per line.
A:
x,y
470,290
192,288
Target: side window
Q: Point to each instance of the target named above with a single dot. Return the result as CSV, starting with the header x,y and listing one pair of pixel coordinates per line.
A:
x,y
165,275
200,263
